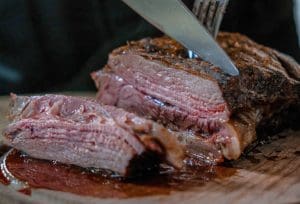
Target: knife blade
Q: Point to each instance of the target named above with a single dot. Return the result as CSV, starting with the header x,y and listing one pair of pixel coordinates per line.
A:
x,y
174,19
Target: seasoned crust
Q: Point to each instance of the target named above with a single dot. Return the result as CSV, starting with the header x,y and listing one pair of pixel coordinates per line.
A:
x,y
266,76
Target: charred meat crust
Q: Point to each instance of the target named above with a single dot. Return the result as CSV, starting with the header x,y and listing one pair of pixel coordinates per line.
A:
x,y
264,73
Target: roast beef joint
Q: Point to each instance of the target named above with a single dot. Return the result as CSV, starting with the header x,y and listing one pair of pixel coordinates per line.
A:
x,y
154,105
215,114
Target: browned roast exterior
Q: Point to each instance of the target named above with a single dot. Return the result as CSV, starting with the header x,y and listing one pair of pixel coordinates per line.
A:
x,y
217,114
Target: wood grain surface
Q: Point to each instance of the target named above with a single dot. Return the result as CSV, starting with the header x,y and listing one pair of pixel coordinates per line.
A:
x,y
269,174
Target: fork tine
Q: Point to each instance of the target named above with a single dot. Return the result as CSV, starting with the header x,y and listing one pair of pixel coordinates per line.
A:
x,y
219,16
196,7
203,10
211,15
199,9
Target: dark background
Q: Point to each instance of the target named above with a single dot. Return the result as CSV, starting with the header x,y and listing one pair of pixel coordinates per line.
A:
x,y
53,45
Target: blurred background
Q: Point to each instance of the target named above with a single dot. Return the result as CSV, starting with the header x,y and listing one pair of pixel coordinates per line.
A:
x,y
53,45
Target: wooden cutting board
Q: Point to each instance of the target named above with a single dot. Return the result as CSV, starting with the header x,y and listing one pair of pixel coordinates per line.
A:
x,y
270,174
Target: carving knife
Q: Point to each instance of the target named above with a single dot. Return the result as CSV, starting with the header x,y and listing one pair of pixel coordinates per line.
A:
x,y
174,19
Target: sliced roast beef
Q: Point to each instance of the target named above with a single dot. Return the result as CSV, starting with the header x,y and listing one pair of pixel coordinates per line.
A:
x,y
216,114
82,132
